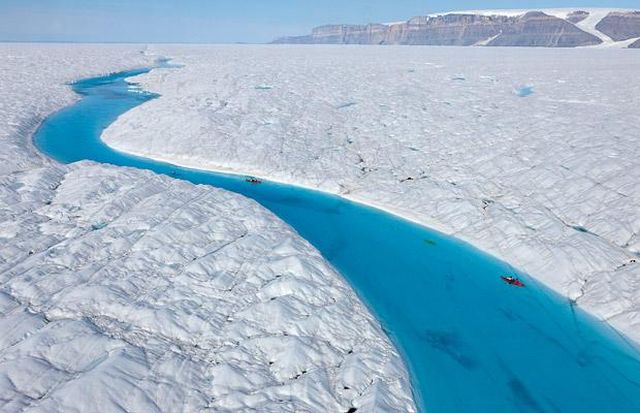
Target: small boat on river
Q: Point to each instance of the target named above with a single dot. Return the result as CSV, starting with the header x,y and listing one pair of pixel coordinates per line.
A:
x,y
512,280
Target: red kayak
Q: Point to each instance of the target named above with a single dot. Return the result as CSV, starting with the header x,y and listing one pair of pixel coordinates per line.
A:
x,y
512,281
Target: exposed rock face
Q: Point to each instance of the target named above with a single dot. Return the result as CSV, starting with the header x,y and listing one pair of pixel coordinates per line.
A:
x,y
577,16
351,34
451,29
621,26
539,29
635,45
530,29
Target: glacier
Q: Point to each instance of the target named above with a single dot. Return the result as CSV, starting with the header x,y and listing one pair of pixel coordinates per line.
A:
x,y
125,290
547,181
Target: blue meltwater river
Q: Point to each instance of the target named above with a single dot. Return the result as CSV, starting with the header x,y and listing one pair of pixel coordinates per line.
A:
x,y
471,342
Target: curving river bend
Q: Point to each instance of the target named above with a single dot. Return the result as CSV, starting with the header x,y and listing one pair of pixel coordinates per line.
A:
x,y
471,342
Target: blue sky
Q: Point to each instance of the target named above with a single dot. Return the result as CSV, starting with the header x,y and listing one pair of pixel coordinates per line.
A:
x,y
220,20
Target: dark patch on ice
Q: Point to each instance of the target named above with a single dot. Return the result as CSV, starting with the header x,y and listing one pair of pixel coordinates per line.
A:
x,y
346,105
524,91
451,345
264,87
580,229
352,410
297,376
98,226
486,202
458,77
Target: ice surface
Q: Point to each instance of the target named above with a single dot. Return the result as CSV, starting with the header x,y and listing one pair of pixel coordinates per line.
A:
x,y
33,84
549,182
121,290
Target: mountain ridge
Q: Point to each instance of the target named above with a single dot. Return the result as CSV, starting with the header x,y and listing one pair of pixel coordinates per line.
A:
x,y
561,27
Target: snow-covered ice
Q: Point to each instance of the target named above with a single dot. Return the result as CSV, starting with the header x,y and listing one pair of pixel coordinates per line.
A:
x,y
124,290
34,84
548,181
134,291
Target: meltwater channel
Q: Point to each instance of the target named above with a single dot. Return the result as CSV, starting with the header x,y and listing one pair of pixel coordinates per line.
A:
x,y
471,342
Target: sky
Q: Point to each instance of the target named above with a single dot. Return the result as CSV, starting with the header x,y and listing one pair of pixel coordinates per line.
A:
x,y
221,21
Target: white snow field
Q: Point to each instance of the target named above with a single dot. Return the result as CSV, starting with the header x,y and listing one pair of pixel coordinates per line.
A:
x,y
530,154
122,290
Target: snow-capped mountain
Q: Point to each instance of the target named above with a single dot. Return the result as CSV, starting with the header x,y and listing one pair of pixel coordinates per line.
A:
x,y
543,28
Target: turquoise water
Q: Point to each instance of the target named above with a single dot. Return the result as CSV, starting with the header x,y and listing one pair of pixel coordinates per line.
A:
x,y
524,91
471,342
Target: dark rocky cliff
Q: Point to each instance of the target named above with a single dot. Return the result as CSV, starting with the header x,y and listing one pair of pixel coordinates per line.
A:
x,y
534,28
538,29
452,30
577,16
620,26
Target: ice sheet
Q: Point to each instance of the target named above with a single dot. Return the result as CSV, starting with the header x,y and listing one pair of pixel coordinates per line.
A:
x,y
124,290
546,181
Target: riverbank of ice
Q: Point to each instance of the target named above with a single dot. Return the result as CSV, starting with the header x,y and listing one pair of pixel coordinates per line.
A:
x,y
545,181
122,289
